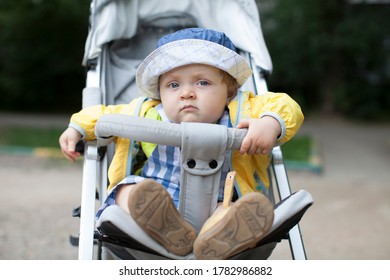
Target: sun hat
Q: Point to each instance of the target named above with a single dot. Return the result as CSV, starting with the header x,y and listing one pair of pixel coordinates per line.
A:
x,y
190,46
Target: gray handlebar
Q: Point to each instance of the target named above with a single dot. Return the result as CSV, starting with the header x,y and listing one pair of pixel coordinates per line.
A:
x,y
153,131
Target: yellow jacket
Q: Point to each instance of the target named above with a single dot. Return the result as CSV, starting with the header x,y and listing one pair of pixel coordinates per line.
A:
x,y
251,170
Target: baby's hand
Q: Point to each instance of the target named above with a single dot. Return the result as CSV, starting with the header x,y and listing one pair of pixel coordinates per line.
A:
x,y
68,140
261,136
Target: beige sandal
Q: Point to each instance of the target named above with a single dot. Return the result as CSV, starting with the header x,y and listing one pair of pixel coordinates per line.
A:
x,y
234,227
153,210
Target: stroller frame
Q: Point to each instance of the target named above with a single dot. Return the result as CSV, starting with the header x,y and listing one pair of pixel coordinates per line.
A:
x,y
96,163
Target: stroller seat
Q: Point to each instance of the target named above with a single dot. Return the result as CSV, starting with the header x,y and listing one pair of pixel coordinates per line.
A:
x,y
199,186
122,238
111,62
117,228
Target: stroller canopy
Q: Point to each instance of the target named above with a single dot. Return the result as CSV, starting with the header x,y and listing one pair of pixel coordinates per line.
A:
x,y
239,19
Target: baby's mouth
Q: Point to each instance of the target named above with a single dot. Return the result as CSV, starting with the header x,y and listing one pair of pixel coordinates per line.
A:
x,y
188,108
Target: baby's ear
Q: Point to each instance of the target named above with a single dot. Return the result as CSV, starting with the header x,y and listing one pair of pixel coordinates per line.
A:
x,y
232,92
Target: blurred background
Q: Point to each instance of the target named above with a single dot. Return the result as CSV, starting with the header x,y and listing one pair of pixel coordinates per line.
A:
x,y
332,56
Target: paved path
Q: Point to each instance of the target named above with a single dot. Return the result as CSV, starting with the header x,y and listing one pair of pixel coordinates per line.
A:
x,y
33,120
350,218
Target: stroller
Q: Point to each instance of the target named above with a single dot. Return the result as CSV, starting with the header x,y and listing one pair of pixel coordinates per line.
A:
x,y
121,34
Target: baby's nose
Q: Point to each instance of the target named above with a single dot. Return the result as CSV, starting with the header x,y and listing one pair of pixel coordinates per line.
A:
x,y
188,92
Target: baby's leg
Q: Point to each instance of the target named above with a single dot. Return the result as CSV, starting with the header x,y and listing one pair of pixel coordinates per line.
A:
x,y
152,208
122,197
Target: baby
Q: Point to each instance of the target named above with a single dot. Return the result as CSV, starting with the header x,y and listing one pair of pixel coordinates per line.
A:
x,y
194,76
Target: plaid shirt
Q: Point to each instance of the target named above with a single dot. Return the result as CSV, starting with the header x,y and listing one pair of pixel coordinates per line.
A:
x,y
164,167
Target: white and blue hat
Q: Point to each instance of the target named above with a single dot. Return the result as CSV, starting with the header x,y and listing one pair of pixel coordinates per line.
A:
x,y
190,46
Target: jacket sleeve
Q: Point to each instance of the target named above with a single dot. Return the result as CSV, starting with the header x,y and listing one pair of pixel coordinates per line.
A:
x,y
85,120
281,107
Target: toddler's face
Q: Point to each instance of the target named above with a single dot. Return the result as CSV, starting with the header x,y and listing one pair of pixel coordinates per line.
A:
x,y
193,93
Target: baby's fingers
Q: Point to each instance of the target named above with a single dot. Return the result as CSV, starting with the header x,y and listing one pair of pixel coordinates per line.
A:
x,y
70,156
245,146
244,123
68,148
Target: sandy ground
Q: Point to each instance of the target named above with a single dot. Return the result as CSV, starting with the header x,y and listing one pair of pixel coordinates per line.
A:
x,y
350,218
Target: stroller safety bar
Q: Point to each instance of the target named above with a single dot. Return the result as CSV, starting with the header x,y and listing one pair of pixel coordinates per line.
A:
x,y
153,131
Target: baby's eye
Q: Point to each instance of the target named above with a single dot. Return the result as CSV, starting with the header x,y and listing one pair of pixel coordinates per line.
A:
x,y
203,83
173,85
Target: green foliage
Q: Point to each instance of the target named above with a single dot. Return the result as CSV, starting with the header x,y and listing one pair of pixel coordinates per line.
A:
x,y
41,47
330,55
297,149
30,136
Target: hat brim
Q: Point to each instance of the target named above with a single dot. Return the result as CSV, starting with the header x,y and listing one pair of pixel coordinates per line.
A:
x,y
185,52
